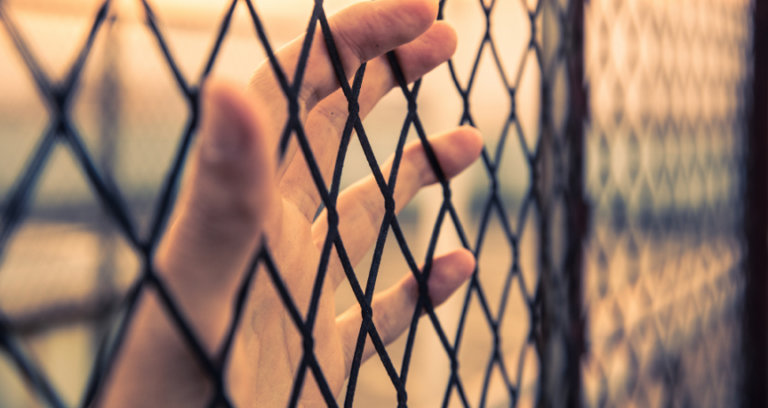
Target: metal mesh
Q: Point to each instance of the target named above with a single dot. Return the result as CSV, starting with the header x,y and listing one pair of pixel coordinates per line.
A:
x,y
604,212
128,221
668,122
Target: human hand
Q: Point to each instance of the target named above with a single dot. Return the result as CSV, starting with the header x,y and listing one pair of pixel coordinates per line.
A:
x,y
236,195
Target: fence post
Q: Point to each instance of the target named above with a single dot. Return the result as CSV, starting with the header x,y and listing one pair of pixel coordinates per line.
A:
x,y
577,207
561,166
756,220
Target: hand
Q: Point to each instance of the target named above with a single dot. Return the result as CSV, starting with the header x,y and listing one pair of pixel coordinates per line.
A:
x,y
235,195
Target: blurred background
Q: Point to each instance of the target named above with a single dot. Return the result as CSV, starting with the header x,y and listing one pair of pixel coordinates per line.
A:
x,y
606,212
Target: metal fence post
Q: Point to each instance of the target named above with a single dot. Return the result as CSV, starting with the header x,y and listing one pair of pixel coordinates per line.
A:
x,y
561,167
756,220
577,207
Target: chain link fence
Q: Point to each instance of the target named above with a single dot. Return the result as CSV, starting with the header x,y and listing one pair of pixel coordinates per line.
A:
x,y
605,211
669,85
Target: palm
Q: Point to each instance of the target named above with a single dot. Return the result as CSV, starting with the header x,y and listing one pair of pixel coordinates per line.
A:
x,y
268,318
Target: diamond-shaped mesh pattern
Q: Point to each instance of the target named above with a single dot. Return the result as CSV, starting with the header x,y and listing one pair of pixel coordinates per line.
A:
x,y
668,121
604,212
522,113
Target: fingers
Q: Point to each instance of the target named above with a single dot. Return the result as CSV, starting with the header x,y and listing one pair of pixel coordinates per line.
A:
x,y
361,32
361,206
221,209
393,309
365,31
327,120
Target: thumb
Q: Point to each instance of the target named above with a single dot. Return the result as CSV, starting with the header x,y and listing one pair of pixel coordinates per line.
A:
x,y
216,225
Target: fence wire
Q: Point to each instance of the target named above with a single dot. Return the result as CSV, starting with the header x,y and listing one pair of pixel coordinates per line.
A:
x,y
604,213
669,85
136,224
